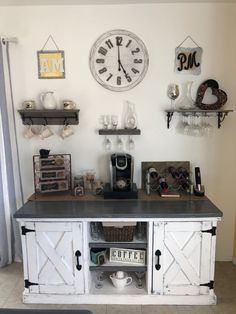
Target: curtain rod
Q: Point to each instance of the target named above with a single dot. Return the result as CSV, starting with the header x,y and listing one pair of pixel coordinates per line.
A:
x,y
9,39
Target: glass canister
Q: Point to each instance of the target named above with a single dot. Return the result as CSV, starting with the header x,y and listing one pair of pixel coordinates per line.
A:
x,y
130,116
186,101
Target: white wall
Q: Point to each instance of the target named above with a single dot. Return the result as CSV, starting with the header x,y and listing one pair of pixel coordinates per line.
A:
x,y
162,27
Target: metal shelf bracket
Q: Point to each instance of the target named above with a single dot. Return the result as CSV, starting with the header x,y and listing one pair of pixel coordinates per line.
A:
x,y
221,116
169,117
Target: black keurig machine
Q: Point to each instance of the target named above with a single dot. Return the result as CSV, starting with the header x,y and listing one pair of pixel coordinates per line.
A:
x,y
122,168
121,172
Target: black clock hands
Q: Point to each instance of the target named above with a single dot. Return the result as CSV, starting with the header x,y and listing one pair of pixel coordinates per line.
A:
x,y
120,66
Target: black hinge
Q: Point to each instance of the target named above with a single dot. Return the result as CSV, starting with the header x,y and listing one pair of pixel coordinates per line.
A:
x,y
28,283
25,230
212,231
210,284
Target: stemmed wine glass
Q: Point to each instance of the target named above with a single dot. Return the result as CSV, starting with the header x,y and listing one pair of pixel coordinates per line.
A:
x,y
173,93
106,120
107,143
114,121
130,143
119,143
140,275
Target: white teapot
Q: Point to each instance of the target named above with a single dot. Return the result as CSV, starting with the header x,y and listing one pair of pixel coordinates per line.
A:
x,y
120,279
48,100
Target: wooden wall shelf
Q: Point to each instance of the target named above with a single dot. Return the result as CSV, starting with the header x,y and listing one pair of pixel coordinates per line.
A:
x,y
119,132
50,116
220,114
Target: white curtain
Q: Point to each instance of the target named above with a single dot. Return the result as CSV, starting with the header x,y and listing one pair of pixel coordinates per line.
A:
x,y
11,194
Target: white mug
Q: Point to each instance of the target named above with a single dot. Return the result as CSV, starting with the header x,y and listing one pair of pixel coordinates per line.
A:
x,y
68,104
120,280
45,132
67,131
28,134
29,104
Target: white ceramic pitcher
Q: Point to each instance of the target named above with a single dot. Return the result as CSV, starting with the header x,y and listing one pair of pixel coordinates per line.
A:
x,y
48,100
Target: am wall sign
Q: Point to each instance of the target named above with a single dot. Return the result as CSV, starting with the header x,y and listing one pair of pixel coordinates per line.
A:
x,y
51,64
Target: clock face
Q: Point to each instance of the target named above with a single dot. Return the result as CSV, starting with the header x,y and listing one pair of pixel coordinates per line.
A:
x,y
118,60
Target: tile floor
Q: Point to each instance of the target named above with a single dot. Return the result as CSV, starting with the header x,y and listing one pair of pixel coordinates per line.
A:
x,y
11,286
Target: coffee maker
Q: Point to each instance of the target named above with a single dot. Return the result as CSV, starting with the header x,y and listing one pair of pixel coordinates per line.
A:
x,y
121,183
122,168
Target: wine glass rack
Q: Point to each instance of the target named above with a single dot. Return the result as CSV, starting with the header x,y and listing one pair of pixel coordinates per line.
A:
x,y
220,114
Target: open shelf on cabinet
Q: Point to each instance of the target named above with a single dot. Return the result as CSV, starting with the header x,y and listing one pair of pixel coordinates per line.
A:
x,y
49,116
107,287
111,266
119,132
220,114
128,245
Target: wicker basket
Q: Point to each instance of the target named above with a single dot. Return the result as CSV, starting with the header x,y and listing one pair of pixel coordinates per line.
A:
x,y
116,234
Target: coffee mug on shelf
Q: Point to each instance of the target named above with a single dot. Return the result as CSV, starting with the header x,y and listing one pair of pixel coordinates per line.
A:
x,y
67,131
45,132
120,279
29,104
68,104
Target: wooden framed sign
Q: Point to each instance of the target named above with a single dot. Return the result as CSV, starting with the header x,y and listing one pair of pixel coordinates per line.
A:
x,y
188,60
51,64
128,256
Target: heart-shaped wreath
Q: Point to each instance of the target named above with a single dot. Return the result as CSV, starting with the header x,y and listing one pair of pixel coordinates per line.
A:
x,y
220,94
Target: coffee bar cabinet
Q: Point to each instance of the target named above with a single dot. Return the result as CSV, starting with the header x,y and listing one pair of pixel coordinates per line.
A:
x,y
178,239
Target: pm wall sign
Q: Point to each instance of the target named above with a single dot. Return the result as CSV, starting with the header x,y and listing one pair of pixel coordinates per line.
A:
x,y
51,64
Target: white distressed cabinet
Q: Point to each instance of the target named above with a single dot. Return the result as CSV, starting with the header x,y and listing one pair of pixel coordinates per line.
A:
x,y
184,258
53,257
180,257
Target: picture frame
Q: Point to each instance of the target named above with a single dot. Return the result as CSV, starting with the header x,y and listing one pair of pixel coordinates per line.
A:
x,y
51,64
128,256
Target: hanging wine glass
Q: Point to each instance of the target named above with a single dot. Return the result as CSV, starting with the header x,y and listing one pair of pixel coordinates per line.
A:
x,y
173,93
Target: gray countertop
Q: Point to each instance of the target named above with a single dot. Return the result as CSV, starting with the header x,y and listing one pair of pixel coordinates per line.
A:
x,y
118,209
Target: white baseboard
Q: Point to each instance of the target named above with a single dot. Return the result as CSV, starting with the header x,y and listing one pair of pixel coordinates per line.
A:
x,y
234,261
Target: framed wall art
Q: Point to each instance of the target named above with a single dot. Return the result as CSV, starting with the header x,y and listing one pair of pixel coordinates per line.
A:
x,y
51,63
188,60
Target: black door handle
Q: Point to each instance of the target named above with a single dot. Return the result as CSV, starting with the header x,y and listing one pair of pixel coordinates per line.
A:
x,y
78,254
158,265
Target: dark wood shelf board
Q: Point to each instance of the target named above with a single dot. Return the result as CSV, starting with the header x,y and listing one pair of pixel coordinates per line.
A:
x,y
129,245
117,268
220,114
119,132
50,116
196,111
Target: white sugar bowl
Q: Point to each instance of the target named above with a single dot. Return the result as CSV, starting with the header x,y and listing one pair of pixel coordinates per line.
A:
x,y
120,279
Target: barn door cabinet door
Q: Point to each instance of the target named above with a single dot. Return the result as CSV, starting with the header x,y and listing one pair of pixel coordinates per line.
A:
x,y
54,257
183,258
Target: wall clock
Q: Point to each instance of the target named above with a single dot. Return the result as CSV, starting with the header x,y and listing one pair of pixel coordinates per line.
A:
x,y
118,60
